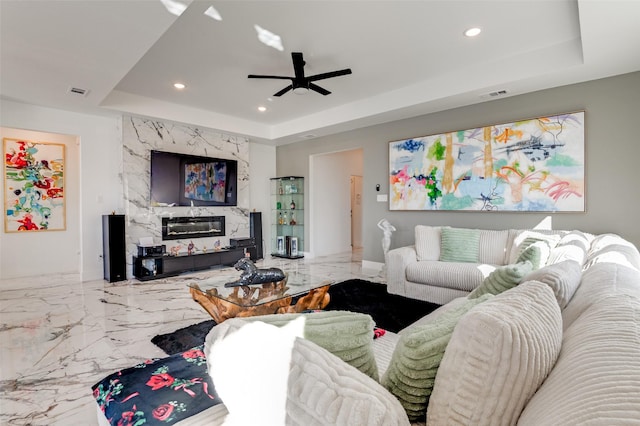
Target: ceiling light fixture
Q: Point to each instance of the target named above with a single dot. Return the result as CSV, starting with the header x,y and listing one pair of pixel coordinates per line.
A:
x,y
179,86
269,38
262,108
211,12
472,32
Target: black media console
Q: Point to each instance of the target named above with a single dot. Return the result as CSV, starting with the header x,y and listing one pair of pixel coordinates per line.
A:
x,y
160,266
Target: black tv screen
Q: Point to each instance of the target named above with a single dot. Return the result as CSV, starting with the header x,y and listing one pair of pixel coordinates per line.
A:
x,y
185,180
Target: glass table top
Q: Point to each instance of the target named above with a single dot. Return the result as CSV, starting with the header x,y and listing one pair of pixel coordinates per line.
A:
x,y
295,284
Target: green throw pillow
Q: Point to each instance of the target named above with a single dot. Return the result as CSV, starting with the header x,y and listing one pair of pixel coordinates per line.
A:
x,y
536,252
347,335
501,279
459,245
416,358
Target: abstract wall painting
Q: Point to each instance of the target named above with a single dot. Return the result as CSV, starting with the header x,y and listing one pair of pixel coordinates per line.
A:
x,y
205,181
533,165
34,197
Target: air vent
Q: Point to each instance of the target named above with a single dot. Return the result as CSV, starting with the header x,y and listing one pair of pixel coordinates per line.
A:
x,y
494,94
78,91
497,93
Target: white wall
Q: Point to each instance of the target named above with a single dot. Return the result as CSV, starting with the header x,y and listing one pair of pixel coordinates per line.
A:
x,y
37,252
100,159
99,182
330,201
612,151
262,167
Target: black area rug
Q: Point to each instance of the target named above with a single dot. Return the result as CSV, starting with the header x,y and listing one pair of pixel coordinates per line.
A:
x,y
390,312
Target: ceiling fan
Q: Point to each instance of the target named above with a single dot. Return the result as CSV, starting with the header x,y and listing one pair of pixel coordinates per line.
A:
x,y
300,83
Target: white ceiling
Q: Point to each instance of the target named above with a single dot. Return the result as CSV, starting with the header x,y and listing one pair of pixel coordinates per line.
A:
x,y
408,57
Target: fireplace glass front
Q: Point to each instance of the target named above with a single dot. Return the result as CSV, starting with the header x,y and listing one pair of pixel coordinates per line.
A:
x,y
178,228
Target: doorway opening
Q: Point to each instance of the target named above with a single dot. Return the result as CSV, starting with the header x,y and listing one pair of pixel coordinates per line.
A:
x,y
335,226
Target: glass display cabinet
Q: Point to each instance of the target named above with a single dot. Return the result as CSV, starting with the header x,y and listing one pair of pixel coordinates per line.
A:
x,y
287,217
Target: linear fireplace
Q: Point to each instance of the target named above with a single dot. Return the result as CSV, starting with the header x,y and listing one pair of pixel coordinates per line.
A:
x,y
176,228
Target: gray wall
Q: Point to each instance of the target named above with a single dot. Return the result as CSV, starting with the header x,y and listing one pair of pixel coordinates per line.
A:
x,y
612,112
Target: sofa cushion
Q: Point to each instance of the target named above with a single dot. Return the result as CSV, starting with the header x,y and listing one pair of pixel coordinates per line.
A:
x,y
606,243
563,278
288,380
455,275
499,354
578,239
347,335
493,246
502,279
416,358
597,375
526,238
560,253
459,245
613,248
427,240
600,280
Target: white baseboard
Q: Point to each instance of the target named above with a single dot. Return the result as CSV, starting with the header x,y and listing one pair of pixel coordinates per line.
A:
x,y
372,266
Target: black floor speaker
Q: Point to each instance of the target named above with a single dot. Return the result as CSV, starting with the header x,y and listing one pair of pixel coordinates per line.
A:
x,y
255,229
113,248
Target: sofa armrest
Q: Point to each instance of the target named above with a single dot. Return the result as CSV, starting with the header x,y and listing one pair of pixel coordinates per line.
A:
x,y
397,262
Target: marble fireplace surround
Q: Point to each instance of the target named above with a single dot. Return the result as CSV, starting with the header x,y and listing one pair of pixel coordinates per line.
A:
x,y
139,137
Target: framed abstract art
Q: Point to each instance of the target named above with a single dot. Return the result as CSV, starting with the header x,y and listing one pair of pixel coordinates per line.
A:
x,y
531,165
34,197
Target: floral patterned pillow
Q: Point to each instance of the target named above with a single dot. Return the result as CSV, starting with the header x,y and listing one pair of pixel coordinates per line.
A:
x,y
157,392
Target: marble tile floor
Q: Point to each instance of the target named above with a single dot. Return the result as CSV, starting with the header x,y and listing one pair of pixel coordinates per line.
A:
x,y
59,336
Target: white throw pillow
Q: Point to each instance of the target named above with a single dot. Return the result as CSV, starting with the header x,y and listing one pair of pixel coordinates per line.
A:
x,y
427,242
499,354
563,278
493,245
267,375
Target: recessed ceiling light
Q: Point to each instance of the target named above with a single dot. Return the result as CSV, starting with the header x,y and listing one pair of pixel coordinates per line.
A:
x,y
179,86
262,108
472,32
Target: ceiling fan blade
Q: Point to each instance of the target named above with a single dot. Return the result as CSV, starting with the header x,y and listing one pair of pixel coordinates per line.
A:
x,y
279,77
298,64
318,89
285,90
329,75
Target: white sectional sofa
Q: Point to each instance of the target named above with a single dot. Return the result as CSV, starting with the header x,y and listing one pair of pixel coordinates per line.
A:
x,y
559,348
420,271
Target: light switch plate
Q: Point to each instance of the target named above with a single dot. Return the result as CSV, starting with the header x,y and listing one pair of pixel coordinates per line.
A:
x,y
381,198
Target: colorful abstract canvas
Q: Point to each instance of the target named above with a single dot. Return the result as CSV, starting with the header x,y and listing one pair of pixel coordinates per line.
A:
x,y
205,181
533,165
34,198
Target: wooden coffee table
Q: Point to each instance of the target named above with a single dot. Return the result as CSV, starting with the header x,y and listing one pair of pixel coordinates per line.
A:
x,y
223,302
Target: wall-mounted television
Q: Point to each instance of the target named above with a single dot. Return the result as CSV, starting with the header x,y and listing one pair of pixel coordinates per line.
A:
x,y
186,180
